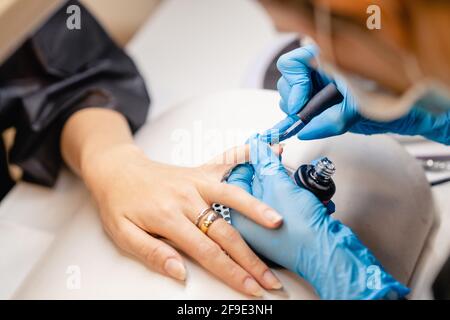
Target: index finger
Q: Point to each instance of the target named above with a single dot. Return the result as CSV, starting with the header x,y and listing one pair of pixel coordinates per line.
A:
x,y
295,69
299,60
240,200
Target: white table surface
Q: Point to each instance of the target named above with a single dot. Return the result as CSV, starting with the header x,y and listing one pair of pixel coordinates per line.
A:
x,y
188,48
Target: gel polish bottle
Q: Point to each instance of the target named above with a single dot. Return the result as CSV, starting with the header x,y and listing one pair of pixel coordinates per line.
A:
x,y
317,179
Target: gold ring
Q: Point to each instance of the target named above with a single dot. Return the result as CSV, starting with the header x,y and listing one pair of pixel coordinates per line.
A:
x,y
209,220
201,215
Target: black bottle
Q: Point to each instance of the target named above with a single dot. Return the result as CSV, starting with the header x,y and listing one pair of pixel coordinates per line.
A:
x,y
317,179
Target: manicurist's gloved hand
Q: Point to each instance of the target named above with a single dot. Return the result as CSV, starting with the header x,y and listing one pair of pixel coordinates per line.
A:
x,y
299,82
310,242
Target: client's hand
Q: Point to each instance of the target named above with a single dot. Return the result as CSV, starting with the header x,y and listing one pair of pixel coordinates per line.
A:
x,y
141,200
310,242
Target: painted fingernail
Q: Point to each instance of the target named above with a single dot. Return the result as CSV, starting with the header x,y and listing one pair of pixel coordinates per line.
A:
x,y
271,280
273,216
253,288
175,269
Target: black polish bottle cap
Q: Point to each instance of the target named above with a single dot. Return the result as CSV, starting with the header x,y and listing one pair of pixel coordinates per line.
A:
x,y
317,179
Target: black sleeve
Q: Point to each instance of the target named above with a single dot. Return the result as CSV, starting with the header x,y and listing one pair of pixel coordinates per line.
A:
x,y
78,69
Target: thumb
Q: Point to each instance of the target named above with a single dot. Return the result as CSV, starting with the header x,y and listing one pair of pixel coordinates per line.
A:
x,y
274,134
295,69
242,176
266,163
332,122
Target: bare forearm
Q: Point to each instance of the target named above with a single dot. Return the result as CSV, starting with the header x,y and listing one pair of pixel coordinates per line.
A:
x,y
90,132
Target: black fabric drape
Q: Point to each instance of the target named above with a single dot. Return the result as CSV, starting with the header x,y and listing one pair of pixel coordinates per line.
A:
x,y
6,182
55,73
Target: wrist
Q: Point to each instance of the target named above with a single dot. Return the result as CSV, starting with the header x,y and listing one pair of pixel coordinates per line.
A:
x,y
90,132
105,161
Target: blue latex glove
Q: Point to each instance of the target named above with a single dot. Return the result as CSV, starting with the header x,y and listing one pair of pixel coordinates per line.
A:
x,y
299,82
310,242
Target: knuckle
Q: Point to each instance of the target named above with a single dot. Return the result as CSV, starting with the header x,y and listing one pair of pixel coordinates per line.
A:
x,y
119,235
254,263
230,235
219,190
280,83
165,223
185,194
235,272
152,256
281,62
340,126
110,233
167,209
259,206
209,250
229,189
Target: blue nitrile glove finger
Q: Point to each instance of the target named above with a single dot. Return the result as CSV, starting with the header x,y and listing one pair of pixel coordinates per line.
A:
x,y
242,176
274,239
284,89
310,242
272,135
295,84
334,121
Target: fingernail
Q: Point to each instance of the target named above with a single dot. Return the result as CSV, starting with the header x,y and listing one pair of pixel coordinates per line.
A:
x,y
272,215
271,280
253,288
175,269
